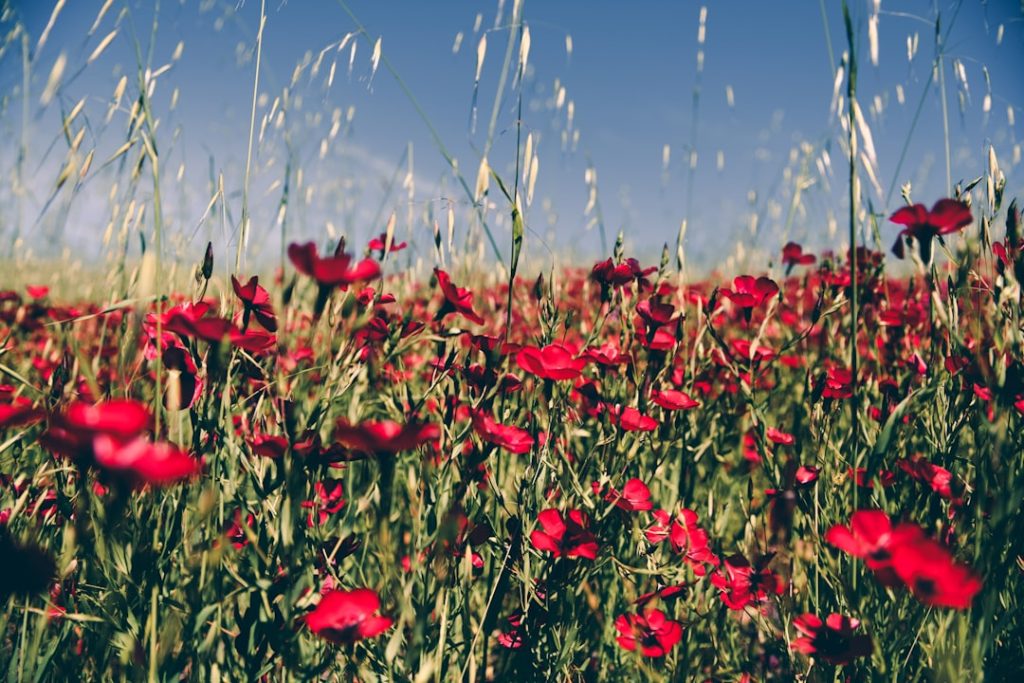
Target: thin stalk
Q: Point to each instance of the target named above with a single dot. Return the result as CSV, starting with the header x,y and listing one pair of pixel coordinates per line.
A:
x,y
243,236
945,105
851,112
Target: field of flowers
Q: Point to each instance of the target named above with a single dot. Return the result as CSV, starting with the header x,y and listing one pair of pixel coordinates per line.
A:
x,y
428,458
609,474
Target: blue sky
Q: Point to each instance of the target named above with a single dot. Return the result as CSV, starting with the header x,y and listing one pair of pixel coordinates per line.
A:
x,y
630,76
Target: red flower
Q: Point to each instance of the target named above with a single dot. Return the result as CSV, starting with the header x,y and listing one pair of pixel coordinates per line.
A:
x,y
331,271
903,552
948,215
609,274
634,496
686,536
930,572
740,584
256,301
748,293
456,299
631,420
869,537
670,399
655,313
938,478
18,413
384,436
554,362
343,617
564,536
122,418
838,383
780,437
513,439
329,500
793,255
378,243
832,641
652,630
140,462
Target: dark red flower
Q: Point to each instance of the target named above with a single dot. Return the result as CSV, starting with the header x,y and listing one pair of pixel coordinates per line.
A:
x,y
833,640
930,572
19,412
513,439
343,617
948,215
611,275
793,255
780,437
457,299
554,362
378,244
868,537
938,478
670,399
632,420
564,536
256,301
384,436
331,271
122,418
686,537
139,462
651,629
634,496
749,293
741,584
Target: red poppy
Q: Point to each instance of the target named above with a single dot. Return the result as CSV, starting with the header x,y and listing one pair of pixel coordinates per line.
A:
x,y
930,572
378,243
655,313
869,537
330,498
123,418
511,438
256,301
18,413
832,641
777,436
741,584
686,537
947,216
749,293
554,362
793,255
651,629
457,299
669,399
938,478
384,436
331,271
344,617
616,275
139,462
632,420
566,536
634,496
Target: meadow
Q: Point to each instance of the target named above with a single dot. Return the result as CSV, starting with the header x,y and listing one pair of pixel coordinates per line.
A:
x,y
433,455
